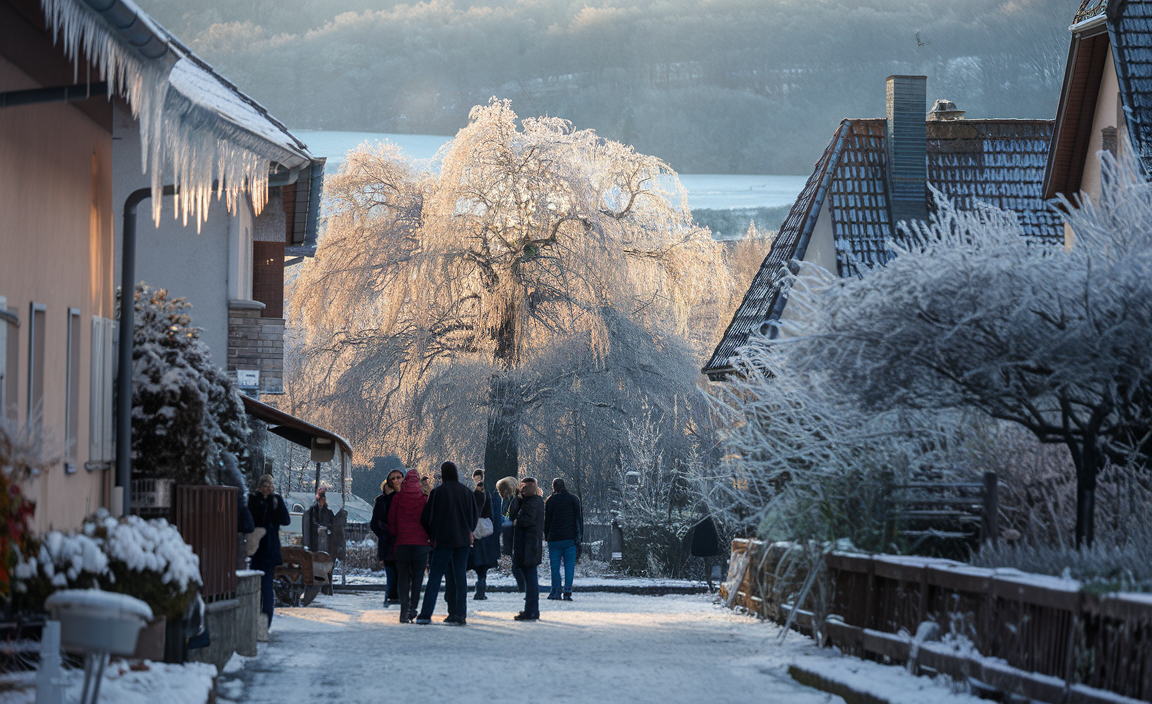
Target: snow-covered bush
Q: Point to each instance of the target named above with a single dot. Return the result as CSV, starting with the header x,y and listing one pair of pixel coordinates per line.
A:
x,y
188,419
972,315
145,559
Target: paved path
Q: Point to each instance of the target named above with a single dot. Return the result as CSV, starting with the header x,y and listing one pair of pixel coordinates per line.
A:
x,y
601,648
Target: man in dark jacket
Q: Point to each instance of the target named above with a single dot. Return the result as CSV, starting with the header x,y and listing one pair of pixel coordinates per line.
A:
x,y
449,517
528,545
268,512
564,530
318,514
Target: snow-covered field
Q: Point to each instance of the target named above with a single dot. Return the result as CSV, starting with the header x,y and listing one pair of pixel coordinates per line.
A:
x,y
599,648
713,191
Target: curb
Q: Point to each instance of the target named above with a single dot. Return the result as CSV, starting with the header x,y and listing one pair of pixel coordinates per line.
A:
x,y
808,678
576,589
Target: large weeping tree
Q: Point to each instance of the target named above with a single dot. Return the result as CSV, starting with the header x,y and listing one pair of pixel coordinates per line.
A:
x,y
530,266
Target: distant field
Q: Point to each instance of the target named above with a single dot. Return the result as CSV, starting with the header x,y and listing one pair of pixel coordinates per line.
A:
x,y
763,198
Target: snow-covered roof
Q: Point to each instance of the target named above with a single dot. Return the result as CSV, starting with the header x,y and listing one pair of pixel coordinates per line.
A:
x,y
997,162
196,127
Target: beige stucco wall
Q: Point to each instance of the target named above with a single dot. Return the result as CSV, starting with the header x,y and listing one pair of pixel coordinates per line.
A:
x,y
56,249
1108,114
821,252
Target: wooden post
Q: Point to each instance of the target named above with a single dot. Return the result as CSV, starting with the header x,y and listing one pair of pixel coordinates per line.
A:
x,y
991,523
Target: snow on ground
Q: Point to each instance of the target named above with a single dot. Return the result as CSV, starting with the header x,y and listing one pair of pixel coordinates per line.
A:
x,y
366,577
715,191
190,683
599,648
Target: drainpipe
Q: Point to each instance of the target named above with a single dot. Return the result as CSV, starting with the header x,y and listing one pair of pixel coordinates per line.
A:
x,y
124,363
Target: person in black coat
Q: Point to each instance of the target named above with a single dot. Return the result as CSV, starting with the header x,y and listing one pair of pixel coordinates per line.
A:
x,y
268,512
485,551
449,517
528,545
509,494
706,544
385,541
564,531
318,514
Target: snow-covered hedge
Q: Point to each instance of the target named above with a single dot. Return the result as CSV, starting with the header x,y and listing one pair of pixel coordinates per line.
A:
x,y
145,559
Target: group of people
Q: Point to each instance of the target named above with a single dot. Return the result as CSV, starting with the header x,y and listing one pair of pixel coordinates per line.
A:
x,y
420,527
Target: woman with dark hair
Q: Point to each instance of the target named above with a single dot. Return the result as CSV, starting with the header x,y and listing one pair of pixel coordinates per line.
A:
x,y
485,551
386,539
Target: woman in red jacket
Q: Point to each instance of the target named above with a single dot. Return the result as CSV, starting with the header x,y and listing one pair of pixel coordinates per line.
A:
x,y
411,546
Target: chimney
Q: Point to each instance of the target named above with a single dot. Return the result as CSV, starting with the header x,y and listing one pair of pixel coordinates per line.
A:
x,y
945,111
907,138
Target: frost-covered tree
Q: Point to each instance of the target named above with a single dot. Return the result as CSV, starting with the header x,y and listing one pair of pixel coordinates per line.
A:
x,y
538,270
972,315
188,419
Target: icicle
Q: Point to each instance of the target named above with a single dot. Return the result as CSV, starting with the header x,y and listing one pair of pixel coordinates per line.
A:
x,y
181,133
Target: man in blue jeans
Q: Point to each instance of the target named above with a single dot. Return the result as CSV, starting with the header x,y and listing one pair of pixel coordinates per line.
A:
x,y
564,531
449,517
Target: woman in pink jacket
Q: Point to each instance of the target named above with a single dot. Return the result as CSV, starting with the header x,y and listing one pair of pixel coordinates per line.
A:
x,y
412,545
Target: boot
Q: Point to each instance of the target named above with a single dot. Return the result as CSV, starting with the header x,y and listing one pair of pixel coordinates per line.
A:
x,y
481,585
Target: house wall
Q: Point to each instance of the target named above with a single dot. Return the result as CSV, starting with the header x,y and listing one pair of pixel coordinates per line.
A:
x,y
821,252
56,250
190,264
1109,112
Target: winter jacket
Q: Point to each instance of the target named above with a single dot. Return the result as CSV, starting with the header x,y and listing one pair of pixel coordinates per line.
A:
x,y
705,541
385,540
404,511
450,515
268,513
311,521
528,544
486,551
244,523
563,519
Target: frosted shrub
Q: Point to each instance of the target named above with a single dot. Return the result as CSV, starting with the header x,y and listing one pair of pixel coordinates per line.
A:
x,y
24,451
145,559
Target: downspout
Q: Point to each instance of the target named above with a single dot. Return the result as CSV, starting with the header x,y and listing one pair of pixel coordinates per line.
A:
x,y
124,362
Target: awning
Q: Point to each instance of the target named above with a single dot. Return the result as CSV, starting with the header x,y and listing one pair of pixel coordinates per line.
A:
x,y
292,428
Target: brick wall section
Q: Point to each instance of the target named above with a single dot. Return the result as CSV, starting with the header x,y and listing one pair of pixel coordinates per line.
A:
x,y
255,342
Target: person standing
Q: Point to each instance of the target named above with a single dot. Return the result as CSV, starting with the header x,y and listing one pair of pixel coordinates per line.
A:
x,y
528,545
510,501
318,514
385,539
268,512
564,531
706,544
449,517
485,551
411,545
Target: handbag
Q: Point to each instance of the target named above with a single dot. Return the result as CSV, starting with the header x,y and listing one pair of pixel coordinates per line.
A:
x,y
483,528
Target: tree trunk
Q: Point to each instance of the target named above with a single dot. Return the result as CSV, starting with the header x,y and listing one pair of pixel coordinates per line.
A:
x,y
1089,466
501,448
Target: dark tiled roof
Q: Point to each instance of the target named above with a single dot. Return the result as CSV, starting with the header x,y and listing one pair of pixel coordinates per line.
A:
x,y
1130,31
998,162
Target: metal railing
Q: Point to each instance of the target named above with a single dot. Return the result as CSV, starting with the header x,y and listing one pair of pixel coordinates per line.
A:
x,y
206,518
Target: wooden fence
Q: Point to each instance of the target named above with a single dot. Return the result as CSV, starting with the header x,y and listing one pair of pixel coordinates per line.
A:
x,y
206,518
1056,642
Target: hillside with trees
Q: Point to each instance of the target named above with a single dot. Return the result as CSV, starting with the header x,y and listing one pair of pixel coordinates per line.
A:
x,y
733,86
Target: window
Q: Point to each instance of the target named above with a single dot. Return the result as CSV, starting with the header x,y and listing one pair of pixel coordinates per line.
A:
x,y
100,411
9,359
72,401
36,327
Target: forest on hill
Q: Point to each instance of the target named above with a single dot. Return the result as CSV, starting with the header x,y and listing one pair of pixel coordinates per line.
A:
x,y
720,86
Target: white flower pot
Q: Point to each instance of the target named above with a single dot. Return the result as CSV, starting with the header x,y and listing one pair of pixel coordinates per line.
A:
x,y
96,621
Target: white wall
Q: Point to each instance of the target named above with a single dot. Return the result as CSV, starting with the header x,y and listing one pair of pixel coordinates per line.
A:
x,y
205,267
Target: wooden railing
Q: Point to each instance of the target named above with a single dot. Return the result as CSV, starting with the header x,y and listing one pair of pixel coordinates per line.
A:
x,y
1037,625
206,518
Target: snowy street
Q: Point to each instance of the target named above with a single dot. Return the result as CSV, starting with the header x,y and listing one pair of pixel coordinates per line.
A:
x,y
600,648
